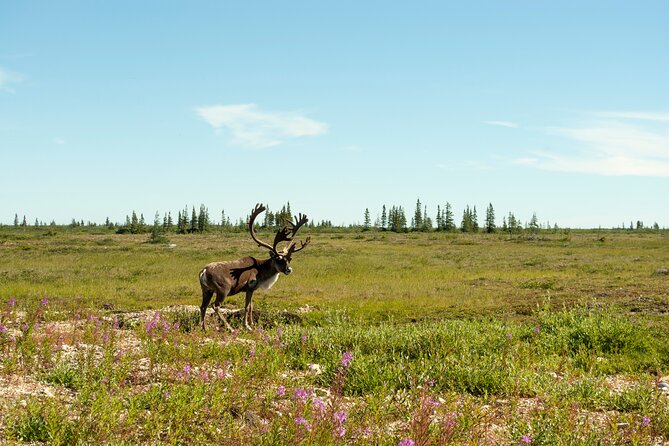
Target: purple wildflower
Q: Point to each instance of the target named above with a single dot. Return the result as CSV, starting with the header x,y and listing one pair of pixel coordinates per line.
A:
x,y
341,431
525,439
645,422
44,302
340,417
281,391
12,302
187,369
406,442
346,359
153,323
300,394
304,338
319,406
537,329
301,421
3,329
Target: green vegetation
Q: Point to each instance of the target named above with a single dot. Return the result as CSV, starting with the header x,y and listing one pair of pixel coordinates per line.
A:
x,y
376,338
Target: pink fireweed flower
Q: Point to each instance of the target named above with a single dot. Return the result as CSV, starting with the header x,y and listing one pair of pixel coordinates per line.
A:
x,y
301,421
537,329
341,431
300,394
525,440
340,417
319,407
406,442
346,359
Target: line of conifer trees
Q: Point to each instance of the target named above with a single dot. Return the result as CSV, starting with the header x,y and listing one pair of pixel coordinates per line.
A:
x,y
393,218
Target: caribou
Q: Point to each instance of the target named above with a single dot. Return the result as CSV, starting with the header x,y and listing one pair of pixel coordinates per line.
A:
x,y
249,274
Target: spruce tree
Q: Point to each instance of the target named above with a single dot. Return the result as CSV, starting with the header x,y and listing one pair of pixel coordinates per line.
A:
x,y
16,220
157,231
367,221
449,221
534,224
134,223
203,219
170,222
384,218
193,221
490,219
475,220
418,217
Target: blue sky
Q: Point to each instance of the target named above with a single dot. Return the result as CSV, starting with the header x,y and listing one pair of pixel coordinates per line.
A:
x,y
559,108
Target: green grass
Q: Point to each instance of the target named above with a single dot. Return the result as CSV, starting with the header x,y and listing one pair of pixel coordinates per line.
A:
x,y
453,339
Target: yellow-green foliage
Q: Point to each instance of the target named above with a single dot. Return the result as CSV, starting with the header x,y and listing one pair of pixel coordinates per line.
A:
x,y
374,275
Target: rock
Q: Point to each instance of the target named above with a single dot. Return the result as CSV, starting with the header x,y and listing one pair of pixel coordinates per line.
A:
x,y
315,369
662,272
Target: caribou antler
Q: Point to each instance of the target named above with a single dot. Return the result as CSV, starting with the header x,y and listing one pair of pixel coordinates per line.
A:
x,y
259,209
285,234
300,221
291,248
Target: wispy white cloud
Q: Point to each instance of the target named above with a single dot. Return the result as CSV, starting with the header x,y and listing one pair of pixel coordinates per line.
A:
x,y
610,143
249,126
503,124
8,78
642,116
59,141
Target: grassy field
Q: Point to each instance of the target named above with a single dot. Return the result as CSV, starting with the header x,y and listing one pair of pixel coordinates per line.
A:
x,y
376,338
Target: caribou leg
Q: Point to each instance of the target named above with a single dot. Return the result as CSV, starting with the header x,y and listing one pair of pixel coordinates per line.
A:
x,y
206,298
221,317
248,310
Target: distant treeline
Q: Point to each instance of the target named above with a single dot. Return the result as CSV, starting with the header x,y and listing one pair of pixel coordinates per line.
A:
x,y
390,218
